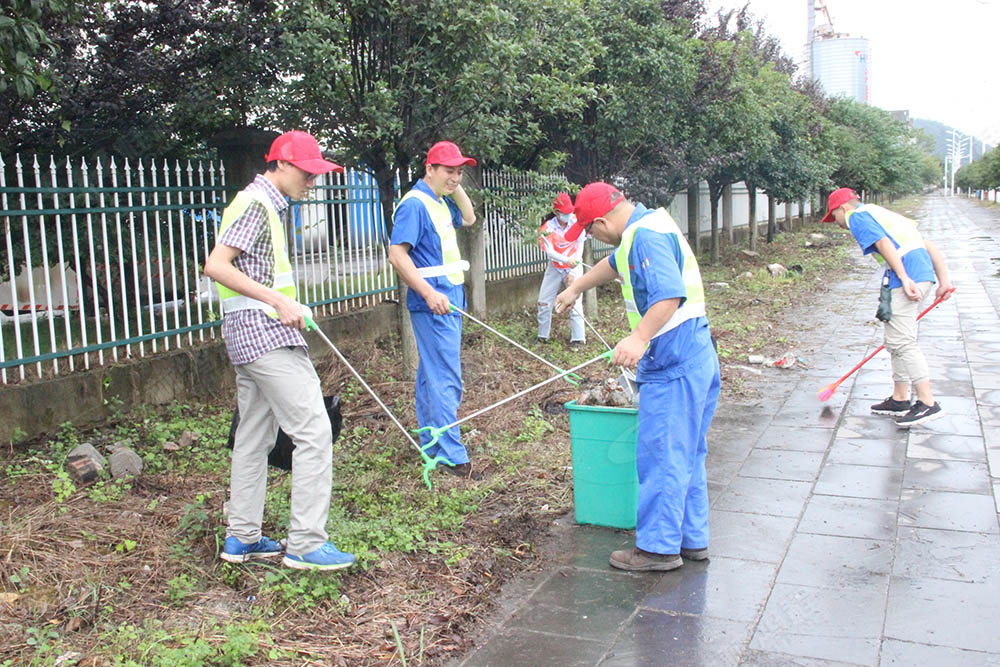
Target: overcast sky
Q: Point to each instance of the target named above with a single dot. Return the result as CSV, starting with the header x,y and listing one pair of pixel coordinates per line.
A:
x,y
939,59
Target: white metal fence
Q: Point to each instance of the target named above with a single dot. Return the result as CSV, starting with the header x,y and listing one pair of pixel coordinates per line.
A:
x,y
102,261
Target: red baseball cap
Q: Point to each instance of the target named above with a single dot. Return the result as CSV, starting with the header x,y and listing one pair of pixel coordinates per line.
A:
x,y
302,150
838,198
593,201
563,203
448,154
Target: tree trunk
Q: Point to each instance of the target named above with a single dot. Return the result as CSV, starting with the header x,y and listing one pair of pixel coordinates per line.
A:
x,y
772,218
752,215
802,214
475,251
727,213
407,340
713,202
386,180
788,216
692,213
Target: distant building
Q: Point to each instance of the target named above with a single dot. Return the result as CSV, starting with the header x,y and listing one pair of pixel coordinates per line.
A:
x,y
903,116
841,63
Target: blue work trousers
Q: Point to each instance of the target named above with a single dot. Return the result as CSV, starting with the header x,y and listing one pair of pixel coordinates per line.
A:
x,y
439,380
674,417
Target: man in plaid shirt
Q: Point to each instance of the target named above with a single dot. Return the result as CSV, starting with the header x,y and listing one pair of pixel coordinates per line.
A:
x,y
276,383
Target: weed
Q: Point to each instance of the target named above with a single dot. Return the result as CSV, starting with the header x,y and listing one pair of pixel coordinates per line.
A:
x,y
109,491
180,587
20,578
125,546
62,486
302,589
151,644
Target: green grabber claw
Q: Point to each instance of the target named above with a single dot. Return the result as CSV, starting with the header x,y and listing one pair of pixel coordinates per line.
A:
x,y
607,355
572,378
431,463
311,324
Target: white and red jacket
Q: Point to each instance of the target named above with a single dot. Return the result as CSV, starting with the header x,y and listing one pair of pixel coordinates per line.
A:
x,y
556,247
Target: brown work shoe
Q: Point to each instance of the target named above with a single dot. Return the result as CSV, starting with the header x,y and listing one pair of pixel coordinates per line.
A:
x,y
644,561
463,470
695,554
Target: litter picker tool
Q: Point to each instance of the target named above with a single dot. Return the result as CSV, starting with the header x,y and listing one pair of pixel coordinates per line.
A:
x,y
826,392
572,379
628,376
437,432
429,463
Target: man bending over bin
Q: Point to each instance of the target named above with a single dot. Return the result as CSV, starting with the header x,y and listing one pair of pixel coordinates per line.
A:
x,y
678,370
911,265
276,384
424,251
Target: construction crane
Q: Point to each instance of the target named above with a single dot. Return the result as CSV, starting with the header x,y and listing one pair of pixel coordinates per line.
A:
x,y
823,29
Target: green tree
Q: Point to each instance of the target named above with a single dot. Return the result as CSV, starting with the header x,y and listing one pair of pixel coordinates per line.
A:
x,y
385,80
146,78
25,46
644,69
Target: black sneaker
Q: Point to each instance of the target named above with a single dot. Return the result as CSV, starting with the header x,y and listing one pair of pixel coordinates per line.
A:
x,y
891,406
576,344
919,414
542,341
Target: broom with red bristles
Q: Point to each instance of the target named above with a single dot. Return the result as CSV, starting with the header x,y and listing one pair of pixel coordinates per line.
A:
x,y
826,392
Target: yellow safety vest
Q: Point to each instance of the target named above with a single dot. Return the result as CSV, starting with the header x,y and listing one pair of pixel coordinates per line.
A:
x,y
694,304
899,227
452,266
283,280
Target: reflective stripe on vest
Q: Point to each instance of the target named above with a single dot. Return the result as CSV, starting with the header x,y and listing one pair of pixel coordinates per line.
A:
x,y
694,303
902,230
441,218
283,280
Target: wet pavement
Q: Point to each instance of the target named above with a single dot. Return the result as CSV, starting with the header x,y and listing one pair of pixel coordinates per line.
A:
x,y
836,538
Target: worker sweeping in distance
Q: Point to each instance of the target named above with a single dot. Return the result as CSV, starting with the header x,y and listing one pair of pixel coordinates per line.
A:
x,y
912,263
678,370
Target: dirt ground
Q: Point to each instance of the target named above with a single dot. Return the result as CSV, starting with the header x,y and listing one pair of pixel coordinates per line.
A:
x,y
126,572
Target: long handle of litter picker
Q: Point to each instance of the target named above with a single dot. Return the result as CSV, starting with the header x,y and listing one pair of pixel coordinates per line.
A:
x,y
511,341
605,355
826,392
312,326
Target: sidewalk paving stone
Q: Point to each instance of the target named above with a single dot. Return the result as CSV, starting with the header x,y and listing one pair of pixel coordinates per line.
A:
x,y
855,481
947,554
837,538
868,452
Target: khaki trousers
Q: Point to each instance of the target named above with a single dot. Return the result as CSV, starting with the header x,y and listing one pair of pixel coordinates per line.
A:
x,y
281,389
908,362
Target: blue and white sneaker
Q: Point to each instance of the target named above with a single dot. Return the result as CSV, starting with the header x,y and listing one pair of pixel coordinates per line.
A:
x,y
235,551
327,557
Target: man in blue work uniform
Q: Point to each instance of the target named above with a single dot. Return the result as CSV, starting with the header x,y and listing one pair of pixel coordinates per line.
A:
x,y
912,263
678,370
424,251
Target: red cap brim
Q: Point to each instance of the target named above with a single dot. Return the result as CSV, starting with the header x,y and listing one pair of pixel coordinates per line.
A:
x,y
455,161
318,166
828,217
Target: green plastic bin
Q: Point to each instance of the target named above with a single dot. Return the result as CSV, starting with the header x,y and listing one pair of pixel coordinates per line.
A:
x,y
605,481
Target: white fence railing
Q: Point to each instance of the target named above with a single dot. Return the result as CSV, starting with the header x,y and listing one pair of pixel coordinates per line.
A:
x,y
102,261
